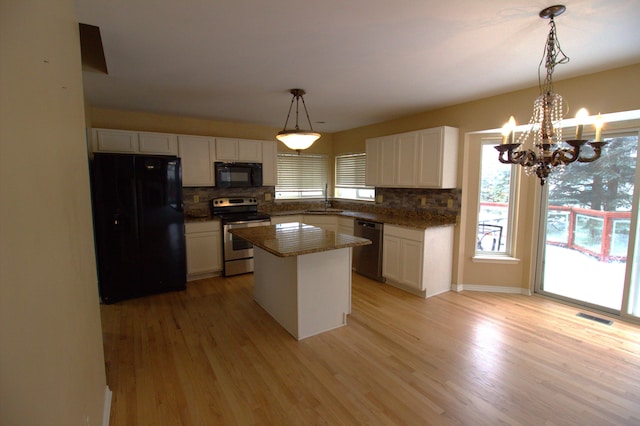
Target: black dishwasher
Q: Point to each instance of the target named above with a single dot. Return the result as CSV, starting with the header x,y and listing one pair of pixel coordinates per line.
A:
x,y
367,260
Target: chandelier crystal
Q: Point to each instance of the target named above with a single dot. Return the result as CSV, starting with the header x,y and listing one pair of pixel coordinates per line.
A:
x,y
549,153
297,139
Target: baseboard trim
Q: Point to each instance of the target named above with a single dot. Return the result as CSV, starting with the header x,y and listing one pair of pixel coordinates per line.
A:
x,y
490,289
414,291
106,415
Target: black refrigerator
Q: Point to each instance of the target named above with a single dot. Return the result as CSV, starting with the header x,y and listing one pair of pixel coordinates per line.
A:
x,y
139,225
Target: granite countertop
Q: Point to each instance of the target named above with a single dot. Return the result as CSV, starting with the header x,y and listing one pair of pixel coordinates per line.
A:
x,y
295,238
389,219
402,219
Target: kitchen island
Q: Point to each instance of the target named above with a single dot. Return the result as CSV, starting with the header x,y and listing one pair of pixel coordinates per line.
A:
x,y
302,275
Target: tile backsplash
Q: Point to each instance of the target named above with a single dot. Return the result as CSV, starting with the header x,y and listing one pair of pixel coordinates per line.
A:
x,y
447,202
197,200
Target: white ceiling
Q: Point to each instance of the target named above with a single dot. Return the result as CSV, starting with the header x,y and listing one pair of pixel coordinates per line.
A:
x,y
360,61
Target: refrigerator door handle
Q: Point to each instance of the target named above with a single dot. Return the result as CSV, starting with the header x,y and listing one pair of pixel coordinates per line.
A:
x,y
120,222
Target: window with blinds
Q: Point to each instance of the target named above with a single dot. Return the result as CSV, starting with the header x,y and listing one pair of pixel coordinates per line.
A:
x,y
350,177
301,176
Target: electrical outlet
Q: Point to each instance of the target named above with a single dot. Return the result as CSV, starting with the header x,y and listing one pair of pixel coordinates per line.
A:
x,y
450,203
423,201
267,196
196,198
379,199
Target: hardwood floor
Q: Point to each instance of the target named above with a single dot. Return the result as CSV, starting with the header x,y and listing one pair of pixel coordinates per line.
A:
x,y
210,355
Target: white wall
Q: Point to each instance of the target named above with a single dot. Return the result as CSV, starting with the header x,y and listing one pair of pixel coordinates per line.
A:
x,y
51,355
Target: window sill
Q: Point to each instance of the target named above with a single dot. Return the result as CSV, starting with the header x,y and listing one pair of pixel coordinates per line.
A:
x,y
360,200
495,259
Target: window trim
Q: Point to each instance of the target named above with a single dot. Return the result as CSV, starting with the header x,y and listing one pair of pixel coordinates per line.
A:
x,y
509,254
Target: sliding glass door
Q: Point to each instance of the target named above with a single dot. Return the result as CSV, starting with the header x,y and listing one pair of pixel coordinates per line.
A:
x,y
586,225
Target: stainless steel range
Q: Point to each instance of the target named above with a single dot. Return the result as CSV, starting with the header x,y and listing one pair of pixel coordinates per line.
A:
x,y
237,212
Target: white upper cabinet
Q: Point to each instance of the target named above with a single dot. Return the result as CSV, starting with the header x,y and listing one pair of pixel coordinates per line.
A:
x,y
198,155
421,159
244,150
388,161
269,163
438,156
382,154
407,161
131,142
108,140
158,143
372,173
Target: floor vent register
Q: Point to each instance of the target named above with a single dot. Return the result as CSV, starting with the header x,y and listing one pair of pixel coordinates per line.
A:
x,y
592,318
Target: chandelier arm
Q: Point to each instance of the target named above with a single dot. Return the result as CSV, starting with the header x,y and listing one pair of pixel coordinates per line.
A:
x,y
597,151
530,159
565,156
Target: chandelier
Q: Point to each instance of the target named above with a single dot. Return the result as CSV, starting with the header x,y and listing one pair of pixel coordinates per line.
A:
x,y
295,138
545,125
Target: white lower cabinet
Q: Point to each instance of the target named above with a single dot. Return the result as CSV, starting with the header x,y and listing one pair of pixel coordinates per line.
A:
x,y
324,221
416,260
345,225
204,249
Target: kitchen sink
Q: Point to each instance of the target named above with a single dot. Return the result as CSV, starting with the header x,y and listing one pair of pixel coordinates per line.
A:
x,y
321,210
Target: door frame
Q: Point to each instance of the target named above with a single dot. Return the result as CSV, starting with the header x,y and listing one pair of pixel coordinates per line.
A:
x,y
633,250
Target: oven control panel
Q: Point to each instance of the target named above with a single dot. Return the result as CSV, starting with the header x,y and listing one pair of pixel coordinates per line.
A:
x,y
234,201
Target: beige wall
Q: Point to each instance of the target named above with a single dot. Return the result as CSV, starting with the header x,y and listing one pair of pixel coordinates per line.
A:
x,y
51,355
606,92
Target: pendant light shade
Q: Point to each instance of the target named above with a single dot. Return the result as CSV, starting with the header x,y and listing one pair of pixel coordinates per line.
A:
x,y
297,139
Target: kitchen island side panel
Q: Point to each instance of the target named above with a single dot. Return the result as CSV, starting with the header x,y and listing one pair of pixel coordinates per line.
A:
x,y
275,287
307,294
324,291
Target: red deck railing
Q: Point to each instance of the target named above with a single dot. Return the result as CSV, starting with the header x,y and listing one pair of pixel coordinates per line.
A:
x,y
600,234
604,237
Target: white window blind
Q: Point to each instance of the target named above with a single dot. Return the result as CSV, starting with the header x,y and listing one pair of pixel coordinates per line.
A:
x,y
350,177
350,170
301,176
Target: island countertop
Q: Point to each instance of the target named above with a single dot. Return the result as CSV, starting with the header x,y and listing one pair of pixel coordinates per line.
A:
x,y
295,238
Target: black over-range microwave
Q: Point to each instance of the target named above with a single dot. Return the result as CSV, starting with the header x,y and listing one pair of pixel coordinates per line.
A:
x,y
238,175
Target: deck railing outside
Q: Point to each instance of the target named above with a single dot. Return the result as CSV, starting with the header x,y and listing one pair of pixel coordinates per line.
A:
x,y
603,235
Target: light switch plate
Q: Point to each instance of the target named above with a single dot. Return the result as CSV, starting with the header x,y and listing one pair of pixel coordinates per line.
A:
x,y
196,198
267,196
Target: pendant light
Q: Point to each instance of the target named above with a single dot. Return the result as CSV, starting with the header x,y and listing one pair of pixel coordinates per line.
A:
x,y
297,139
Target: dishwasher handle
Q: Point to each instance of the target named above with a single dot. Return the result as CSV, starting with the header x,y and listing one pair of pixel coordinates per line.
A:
x,y
368,224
